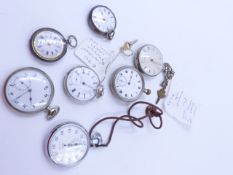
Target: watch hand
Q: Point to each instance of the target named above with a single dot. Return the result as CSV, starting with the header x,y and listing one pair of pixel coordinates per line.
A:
x,y
83,83
30,83
25,84
30,96
130,79
71,145
78,78
153,61
28,91
100,20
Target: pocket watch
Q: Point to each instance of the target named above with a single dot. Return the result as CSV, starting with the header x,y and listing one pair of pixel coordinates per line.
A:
x,y
68,144
103,21
128,84
82,84
149,60
30,90
50,45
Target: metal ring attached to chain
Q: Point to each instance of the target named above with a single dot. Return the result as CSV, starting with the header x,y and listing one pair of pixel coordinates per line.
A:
x,y
110,35
72,41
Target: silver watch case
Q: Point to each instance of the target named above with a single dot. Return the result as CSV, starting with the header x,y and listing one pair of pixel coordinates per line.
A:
x,y
95,29
70,41
48,138
113,88
137,62
99,90
50,81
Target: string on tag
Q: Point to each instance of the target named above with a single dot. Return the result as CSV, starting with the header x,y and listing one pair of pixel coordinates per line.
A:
x,y
151,111
125,49
96,57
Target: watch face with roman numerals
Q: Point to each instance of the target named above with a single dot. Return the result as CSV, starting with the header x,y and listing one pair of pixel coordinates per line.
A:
x,y
127,83
29,90
81,83
48,44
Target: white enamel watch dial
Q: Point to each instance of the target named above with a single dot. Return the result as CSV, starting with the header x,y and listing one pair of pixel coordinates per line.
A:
x,y
50,45
29,90
83,84
149,60
103,20
68,144
128,84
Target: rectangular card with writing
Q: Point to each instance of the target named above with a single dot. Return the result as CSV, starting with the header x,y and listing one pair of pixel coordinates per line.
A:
x,y
93,55
181,106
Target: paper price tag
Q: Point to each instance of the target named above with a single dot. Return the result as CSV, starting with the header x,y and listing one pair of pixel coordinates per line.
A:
x,y
93,55
181,107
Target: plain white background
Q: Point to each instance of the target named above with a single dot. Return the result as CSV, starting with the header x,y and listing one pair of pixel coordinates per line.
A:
x,y
196,37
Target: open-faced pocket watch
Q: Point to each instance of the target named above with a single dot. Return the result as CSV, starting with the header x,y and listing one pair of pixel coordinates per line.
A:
x,y
128,84
67,144
30,90
103,21
82,84
50,45
149,60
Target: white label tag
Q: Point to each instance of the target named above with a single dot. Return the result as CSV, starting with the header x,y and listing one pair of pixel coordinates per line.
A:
x,y
93,55
181,107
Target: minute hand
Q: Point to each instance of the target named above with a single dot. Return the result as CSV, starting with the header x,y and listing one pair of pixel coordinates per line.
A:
x,y
88,85
130,79
22,94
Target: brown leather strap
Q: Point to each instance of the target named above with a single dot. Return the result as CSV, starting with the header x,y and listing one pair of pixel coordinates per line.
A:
x,y
151,111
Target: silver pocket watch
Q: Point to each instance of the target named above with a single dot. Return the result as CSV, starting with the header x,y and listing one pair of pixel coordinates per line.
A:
x,y
50,45
82,84
149,60
103,21
67,144
30,90
128,84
